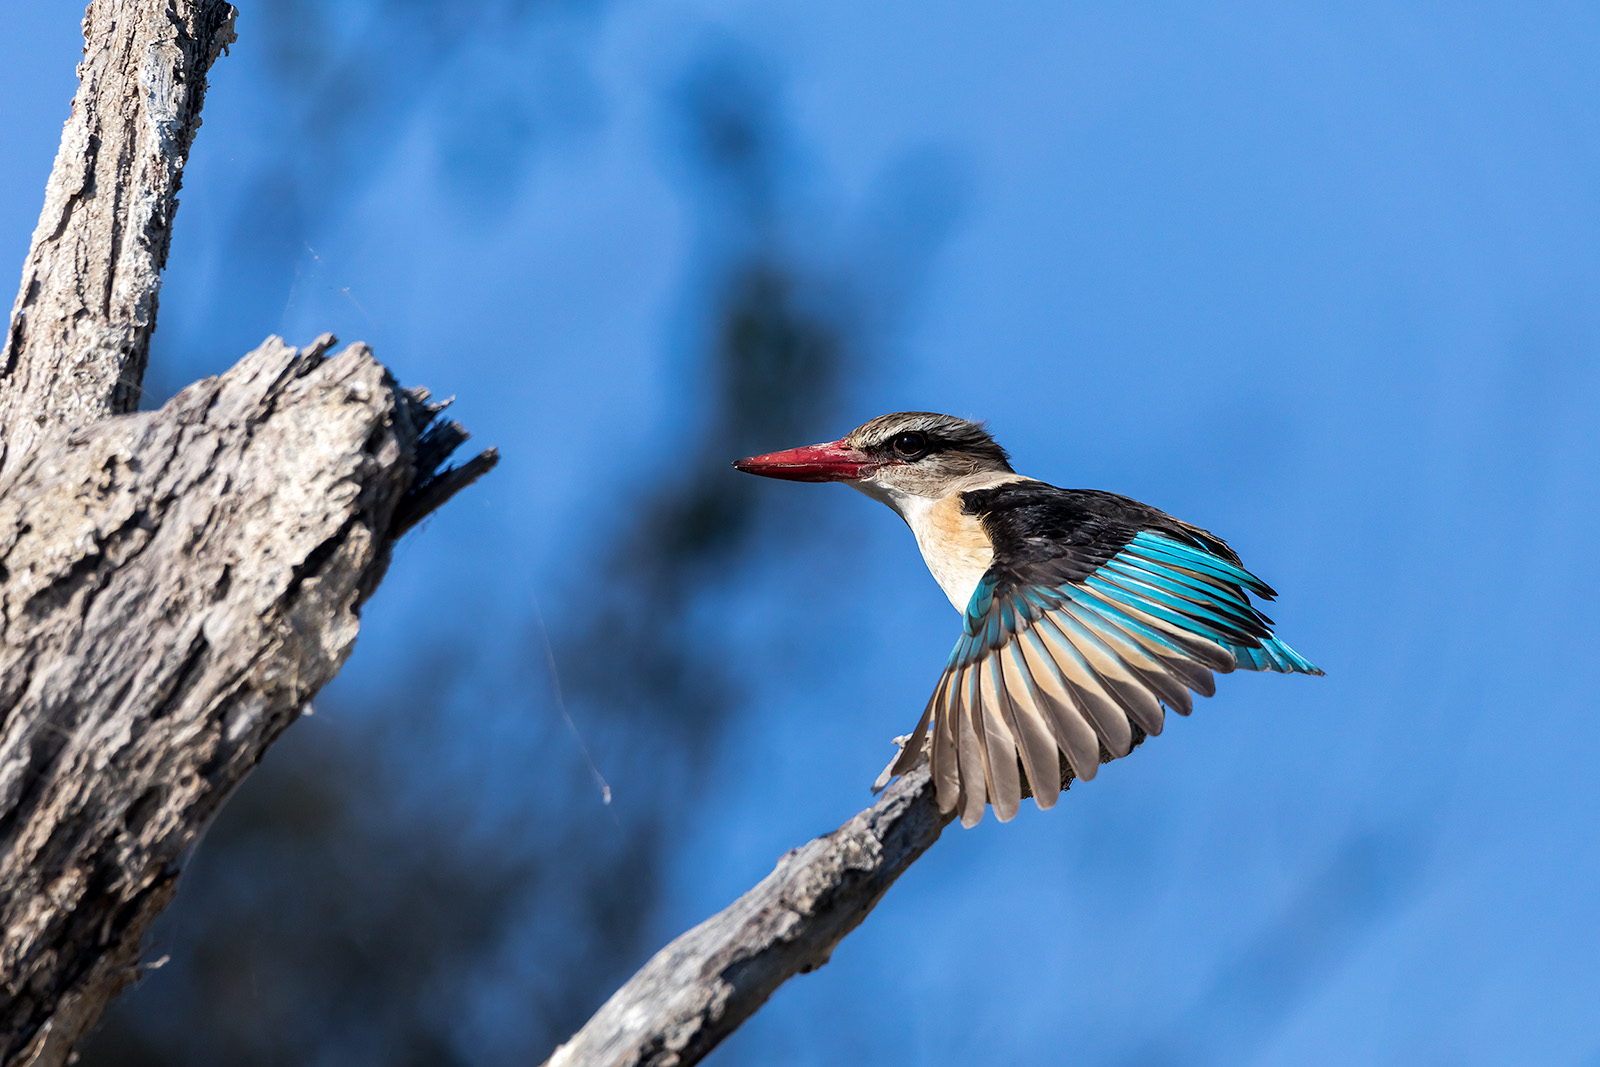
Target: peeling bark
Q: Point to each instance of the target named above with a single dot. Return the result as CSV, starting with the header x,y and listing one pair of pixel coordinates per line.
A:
x,y
174,587
79,334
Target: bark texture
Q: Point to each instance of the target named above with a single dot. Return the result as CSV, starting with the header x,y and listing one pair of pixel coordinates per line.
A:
x,y
174,587
80,329
698,989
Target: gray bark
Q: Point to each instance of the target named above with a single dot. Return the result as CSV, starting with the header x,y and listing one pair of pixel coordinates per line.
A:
x,y
701,987
80,328
175,586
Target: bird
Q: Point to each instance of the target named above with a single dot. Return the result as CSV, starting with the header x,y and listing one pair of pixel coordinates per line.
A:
x,y
1085,614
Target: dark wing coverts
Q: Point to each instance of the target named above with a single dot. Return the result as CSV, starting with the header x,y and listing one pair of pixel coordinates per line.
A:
x,y
1096,612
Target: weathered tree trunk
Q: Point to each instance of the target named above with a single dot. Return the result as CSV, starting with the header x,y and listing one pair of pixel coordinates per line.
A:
x,y
176,585
698,989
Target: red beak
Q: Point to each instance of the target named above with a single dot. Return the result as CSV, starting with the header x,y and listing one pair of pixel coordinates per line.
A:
x,y
831,462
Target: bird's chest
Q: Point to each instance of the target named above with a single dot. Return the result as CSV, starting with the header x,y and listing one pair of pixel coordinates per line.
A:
x,y
954,546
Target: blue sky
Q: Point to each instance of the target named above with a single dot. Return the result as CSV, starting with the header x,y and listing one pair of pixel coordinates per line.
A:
x,y
1324,279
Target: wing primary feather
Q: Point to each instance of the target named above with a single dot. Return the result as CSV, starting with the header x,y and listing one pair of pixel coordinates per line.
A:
x,y
999,747
1165,549
1274,655
967,756
1134,644
1040,755
974,778
1189,645
1288,659
1068,720
1146,662
1146,719
1103,710
1194,676
1201,618
1176,579
1160,637
1117,679
1148,666
1252,659
1183,668
1274,659
1226,601
913,751
1171,692
1174,612
946,776
1196,581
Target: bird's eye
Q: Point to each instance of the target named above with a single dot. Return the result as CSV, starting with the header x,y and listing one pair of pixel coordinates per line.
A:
x,y
910,445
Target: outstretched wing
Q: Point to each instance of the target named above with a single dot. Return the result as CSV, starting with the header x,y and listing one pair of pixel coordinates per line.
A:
x,y
1096,612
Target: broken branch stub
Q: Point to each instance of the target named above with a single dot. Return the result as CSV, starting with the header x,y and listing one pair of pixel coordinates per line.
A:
x,y
175,586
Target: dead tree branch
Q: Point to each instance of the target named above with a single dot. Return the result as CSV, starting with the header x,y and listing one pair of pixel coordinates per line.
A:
x,y
701,987
80,329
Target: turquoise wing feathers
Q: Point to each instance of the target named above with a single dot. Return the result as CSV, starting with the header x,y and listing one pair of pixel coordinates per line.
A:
x,y
1057,675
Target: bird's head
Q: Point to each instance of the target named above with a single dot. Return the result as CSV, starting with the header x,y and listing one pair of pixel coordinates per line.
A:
x,y
909,454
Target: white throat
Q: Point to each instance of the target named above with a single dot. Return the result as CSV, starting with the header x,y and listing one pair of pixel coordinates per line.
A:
x,y
953,544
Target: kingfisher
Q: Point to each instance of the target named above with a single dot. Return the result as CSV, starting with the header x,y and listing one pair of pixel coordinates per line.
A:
x,y
1084,613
